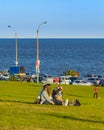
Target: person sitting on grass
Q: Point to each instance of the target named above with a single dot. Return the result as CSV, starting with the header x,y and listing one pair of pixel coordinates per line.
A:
x,y
45,95
38,100
57,96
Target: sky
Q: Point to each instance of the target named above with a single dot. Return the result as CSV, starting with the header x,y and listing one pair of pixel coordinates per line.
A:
x,y
65,18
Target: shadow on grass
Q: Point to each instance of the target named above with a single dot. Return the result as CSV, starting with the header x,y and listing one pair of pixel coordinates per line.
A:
x,y
78,96
75,118
16,101
59,115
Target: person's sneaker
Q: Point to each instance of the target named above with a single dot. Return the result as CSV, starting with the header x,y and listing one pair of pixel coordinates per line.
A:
x,y
66,102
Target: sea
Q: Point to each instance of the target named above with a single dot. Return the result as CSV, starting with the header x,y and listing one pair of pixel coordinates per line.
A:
x,y
56,55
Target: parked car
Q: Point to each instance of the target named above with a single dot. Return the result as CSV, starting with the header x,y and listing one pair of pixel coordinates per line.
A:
x,y
94,80
102,82
41,78
91,76
82,82
64,80
4,77
48,79
73,79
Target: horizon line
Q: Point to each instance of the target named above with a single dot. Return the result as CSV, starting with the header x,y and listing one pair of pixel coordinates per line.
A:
x,y
53,38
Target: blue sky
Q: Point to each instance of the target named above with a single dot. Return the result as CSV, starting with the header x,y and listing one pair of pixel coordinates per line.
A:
x,y
65,18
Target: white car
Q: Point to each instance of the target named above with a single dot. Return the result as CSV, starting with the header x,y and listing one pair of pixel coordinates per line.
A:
x,y
64,80
81,82
5,76
47,80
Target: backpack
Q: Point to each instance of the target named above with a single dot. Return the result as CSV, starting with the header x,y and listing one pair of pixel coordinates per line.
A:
x,y
76,103
37,101
54,93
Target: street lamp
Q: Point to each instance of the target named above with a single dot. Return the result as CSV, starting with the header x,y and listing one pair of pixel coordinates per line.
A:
x,y
37,52
16,44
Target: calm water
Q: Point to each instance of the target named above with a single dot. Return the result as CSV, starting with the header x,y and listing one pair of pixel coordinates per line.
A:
x,y
56,55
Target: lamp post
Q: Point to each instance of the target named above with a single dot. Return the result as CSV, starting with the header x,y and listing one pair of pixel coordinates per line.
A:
x,y
37,51
16,44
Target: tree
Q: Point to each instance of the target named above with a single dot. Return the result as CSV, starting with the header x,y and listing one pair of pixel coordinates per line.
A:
x,y
72,73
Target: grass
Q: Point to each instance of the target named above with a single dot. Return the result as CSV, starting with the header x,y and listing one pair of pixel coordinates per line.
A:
x,y
17,111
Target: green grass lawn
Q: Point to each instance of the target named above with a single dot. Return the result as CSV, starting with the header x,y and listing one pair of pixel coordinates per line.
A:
x,y
17,111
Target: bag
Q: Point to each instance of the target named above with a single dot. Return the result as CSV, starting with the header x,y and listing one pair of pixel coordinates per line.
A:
x,y
54,93
77,103
38,100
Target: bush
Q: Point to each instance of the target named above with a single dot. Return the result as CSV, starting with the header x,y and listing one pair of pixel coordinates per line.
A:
x,y
14,78
72,73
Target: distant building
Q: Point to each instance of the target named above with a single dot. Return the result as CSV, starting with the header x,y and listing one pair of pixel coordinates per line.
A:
x,y
17,70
